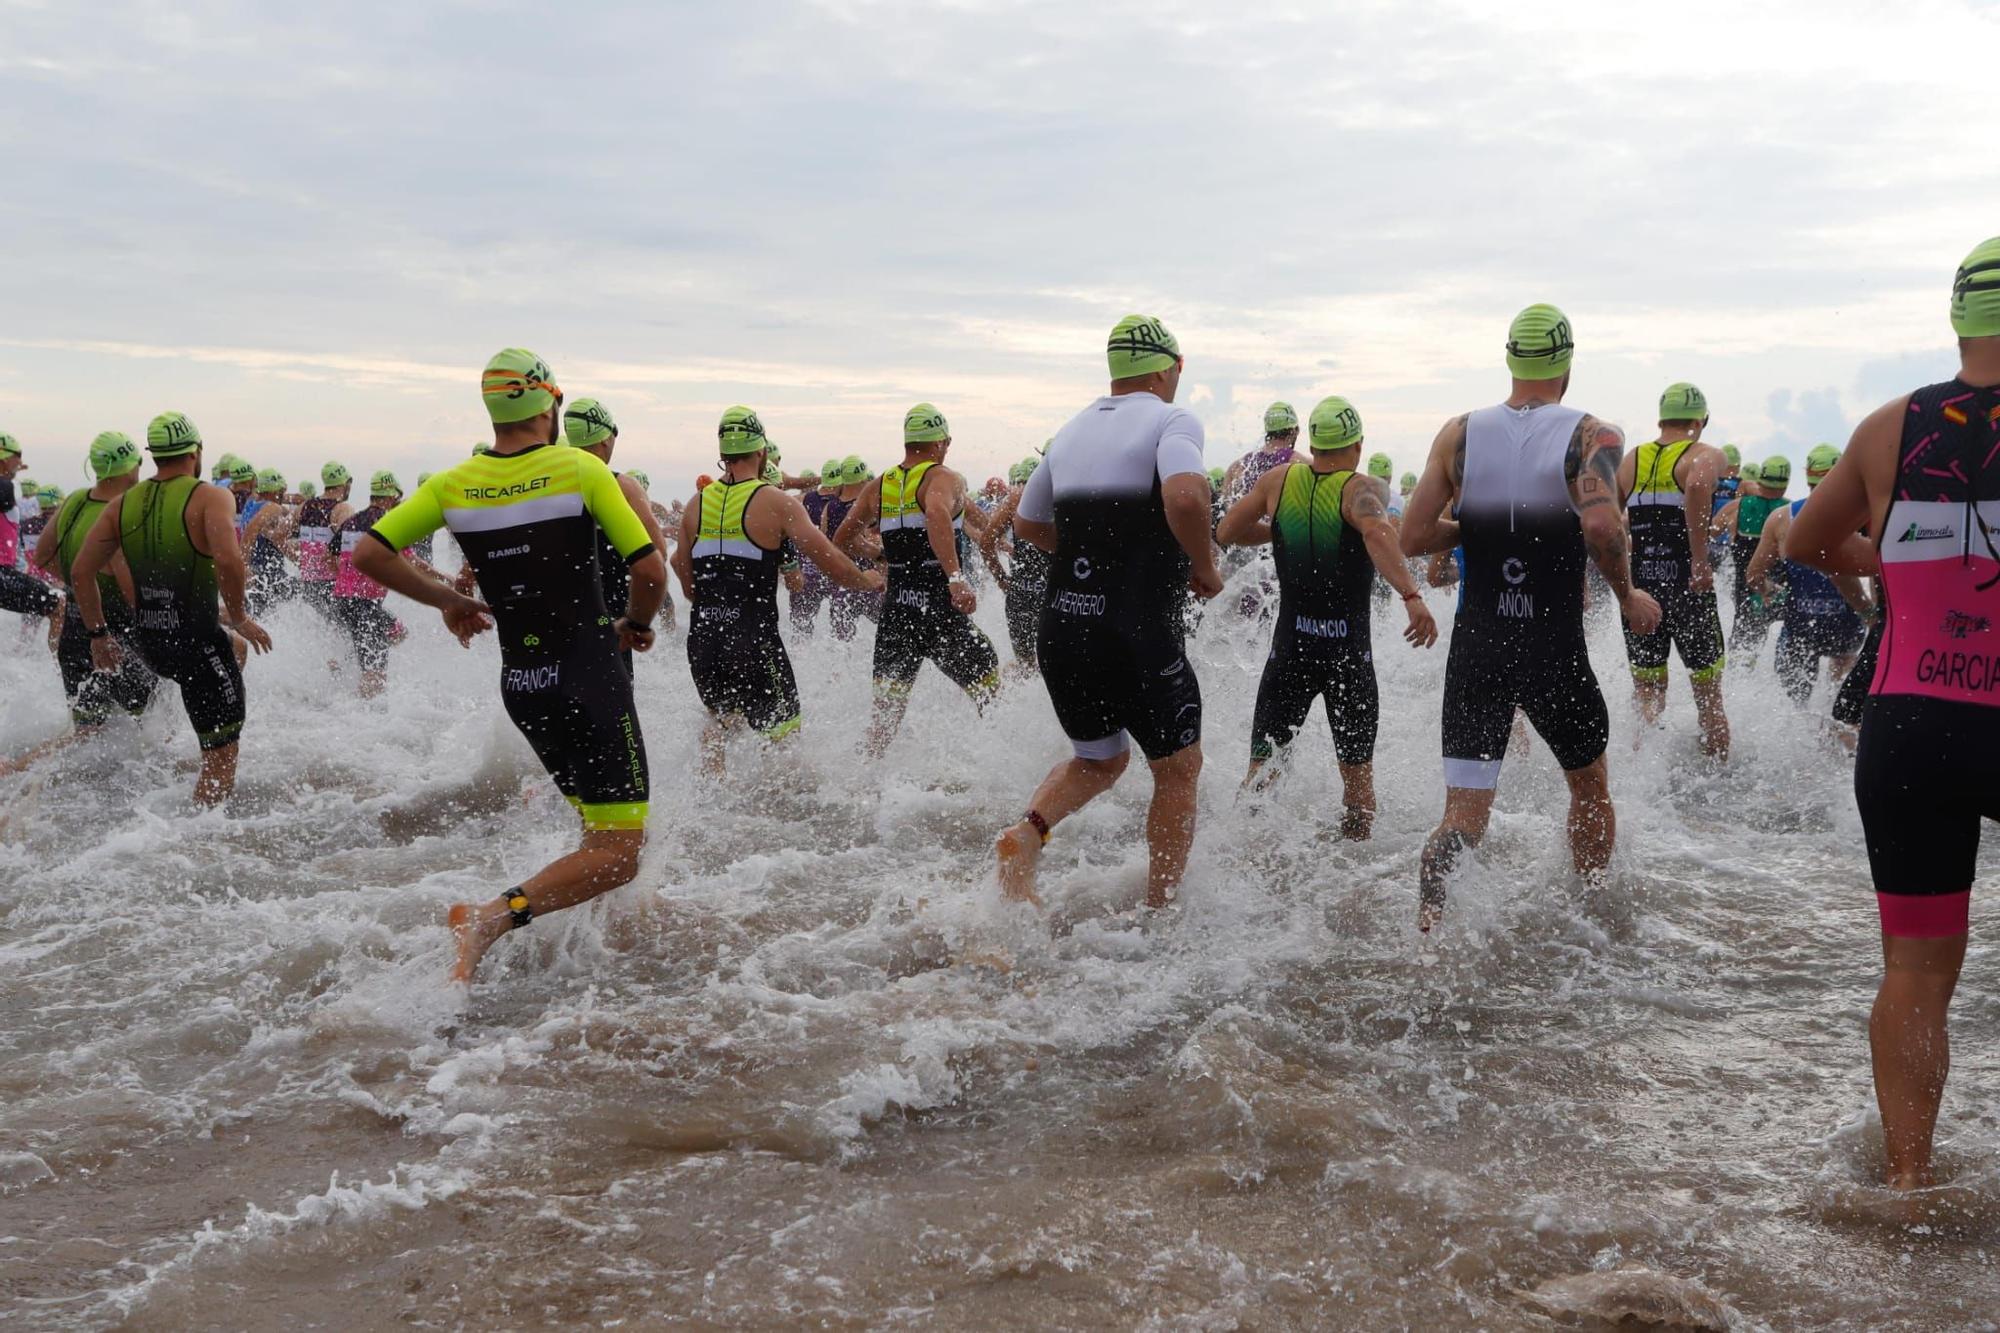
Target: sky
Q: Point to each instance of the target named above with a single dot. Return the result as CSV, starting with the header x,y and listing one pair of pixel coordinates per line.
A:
x,y
308,228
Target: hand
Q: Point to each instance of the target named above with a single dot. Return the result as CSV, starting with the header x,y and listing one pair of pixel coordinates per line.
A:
x,y
1702,579
795,580
962,600
253,634
1642,613
1205,582
873,580
466,618
104,653
634,638
1422,631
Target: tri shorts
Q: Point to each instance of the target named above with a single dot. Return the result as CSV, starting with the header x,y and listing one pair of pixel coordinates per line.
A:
x,y
94,694
369,624
1851,703
920,622
579,717
1804,640
1108,683
741,669
1924,780
201,662
29,596
1024,618
1690,625
1489,675
1292,680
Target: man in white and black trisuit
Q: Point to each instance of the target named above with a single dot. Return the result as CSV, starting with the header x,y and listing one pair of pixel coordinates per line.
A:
x,y
1668,488
1535,486
1330,535
1122,502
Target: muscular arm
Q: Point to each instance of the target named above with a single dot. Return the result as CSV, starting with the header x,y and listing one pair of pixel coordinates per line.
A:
x,y
683,559
1365,505
1426,530
642,508
861,518
937,500
215,519
1594,491
1185,497
1248,521
1443,570
1703,470
1769,543
1725,518
1855,495
989,540
44,554
100,545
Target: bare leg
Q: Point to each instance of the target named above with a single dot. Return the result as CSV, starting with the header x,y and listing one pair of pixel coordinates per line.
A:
x,y
1649,696
218,775
603,860
1170,823
1357,800
713,733
891,702
1593,823
1467,810
35,754
1714,722
1912,1050
1070,785
373,683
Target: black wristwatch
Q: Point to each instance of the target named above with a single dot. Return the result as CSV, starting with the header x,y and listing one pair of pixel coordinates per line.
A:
x,y
101,632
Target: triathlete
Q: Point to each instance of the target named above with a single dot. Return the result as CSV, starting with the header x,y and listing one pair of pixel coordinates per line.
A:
x,y
1920,476
243,490
1121,500
1383,469
313,534
1279,449
1668,487
918,507
1758,497
19,592
588,425
815,588
1025,586
178,539
1536,489
358,599
526,515
733,534
93,694
850,607
1822,617
263,530
1330,533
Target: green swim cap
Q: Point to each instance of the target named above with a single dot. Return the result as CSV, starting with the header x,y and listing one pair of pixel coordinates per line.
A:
x,y
852,469
1820,459
740,432
384,483
270,479
645,482
1683,402
243,471
171,434
51,492
771,451
1380,466
1216,476
423,477
1750,472
334,474
480,448
517,385
830,471
112,454
1279,418
1975,293
587,422
9,446
1334,425
924,424
773,474
1540,344
308,489
1140,345
1409,482
1776,471
1732,456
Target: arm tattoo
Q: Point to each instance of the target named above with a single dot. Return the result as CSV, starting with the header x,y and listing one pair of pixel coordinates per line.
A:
x,y
1367,502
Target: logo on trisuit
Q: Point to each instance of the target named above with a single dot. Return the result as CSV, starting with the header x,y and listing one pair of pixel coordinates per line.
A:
x,y
1921,534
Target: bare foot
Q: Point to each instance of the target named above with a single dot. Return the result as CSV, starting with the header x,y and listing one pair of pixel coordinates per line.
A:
x,y
1356,823
475,927
1019,849
1430,904
1160,899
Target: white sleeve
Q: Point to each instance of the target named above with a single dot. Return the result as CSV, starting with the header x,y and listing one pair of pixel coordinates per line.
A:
x,y
1038,497
1181,442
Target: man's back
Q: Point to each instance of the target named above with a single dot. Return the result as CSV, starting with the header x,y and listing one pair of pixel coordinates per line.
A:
x,y
1524,551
